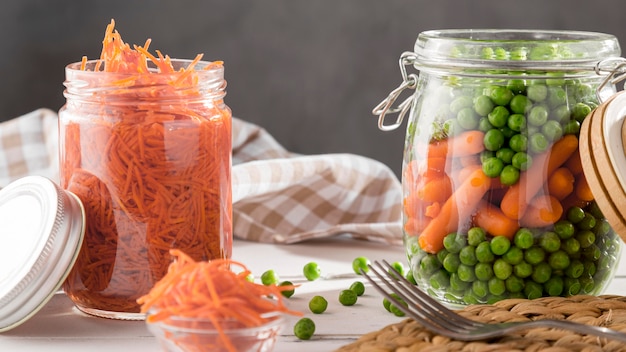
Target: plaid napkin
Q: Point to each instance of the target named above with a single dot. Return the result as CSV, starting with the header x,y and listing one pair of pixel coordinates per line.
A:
x,y
278,196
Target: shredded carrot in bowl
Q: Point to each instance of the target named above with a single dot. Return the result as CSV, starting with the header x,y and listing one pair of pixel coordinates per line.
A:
x,y
216,291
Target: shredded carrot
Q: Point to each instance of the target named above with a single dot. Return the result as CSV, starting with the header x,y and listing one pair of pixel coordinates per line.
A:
x,y
217,291
152,175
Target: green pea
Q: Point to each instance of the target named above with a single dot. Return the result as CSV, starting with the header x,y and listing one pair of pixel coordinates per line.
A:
x,y
480,288
498,117
483,105
550,241
583,91
541,273
580,111
484,253
533,290
522,270
467,119
475,236
396,311
586,238
451,262
542,52
564,229
559,260
571,127
509,175
514,255
456,284
538,115
269,277
483,271
358,287
459,103
360,264
466,273
484,125
499,245
602,228
500,95
519,142
571,246
311,271
496,286
575,214
520,104
517,86
493,139
524,238
492,167
575,269
486,154
440,280
387,303
398,267
347,297
552,130
538,143
537,92
304,328
534,255
592,253
554,286
514,284
441,255
318,304
557,96
560,114
571,286
454,242
589,268
588,222
505,154
467,255
522,161
452,127
556,79
287,293
410,277
501,269
517,122
428,265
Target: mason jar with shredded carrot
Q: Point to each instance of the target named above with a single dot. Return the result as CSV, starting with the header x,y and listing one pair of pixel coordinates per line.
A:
x,y
145,143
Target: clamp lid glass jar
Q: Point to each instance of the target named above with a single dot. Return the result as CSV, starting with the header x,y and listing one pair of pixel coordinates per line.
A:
x,y
496,204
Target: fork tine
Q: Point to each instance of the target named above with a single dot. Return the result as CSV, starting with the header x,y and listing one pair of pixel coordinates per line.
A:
x,y
420,307
423,300
415,314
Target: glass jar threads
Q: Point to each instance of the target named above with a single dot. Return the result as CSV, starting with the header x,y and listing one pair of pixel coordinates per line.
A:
x,y
496,204
149,155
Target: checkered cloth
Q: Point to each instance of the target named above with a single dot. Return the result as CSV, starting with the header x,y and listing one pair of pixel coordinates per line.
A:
x,y
278,196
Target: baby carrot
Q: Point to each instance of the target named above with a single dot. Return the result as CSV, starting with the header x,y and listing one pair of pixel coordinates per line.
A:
x,y
583,191
436,190
492,220
561,183
464,144
519,195
459,207
413,226
574,164
545,210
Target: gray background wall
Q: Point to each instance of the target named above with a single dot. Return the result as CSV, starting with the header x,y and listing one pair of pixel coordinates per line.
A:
x,y
309,72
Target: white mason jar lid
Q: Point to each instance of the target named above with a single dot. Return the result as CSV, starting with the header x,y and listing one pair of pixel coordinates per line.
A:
x,y
41,230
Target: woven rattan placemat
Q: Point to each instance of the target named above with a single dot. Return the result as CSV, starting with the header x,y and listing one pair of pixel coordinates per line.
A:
x,y
608,311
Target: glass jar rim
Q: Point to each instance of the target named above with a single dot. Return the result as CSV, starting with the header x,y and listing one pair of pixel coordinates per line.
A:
x,y
513,49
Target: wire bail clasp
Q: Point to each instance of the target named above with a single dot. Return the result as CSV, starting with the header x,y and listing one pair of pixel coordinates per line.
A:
x,y
409,81
616,68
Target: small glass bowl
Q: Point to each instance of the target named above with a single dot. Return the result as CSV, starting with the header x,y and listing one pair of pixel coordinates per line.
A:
x,y
182,334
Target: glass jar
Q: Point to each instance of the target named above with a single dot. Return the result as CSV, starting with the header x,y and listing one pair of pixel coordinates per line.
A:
x,y
149,155
496,204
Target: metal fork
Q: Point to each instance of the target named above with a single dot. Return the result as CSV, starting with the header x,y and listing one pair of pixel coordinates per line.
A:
x,y
443,321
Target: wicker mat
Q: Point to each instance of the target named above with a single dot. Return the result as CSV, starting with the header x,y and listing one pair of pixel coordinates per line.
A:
x,y
609,311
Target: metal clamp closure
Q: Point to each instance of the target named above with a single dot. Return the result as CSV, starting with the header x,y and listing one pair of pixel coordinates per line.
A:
x,y
616,68
409,81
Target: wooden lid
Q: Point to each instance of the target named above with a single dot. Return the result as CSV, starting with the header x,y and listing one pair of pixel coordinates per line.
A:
x,y
603,154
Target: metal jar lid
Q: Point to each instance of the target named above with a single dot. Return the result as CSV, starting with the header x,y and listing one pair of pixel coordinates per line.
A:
x,y
41,231
603,154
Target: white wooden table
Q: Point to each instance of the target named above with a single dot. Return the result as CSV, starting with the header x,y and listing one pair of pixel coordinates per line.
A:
x,y
59,327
